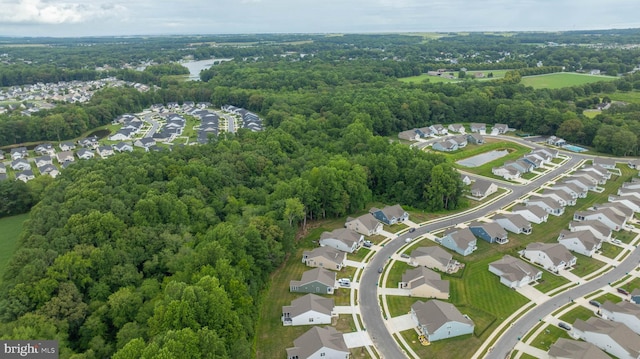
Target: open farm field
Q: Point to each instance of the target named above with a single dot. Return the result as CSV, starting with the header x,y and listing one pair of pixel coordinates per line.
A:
x,y
563,79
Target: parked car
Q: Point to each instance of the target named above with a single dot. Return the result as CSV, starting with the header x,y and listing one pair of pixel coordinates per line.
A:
x,y
412,230
564,326
345,282
367,244
622,291
380,269
404,255
616,241
595,303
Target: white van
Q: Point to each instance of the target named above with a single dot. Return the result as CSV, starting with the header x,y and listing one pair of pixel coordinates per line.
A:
x,y
345,282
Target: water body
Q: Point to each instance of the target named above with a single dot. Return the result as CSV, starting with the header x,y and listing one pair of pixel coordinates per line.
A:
x,y
196,66
479,160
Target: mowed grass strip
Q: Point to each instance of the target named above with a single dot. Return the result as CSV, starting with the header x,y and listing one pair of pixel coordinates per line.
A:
x,y
11,229
562,79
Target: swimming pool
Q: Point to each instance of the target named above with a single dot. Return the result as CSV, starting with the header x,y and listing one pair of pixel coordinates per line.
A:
x,y
573,148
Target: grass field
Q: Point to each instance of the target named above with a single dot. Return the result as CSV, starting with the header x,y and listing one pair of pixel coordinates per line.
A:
x,y
426,78
515,151
562,79
579,312
497,74
630,97
10,228
549,336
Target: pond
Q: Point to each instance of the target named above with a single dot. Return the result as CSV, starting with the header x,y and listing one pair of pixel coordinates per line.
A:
x,y
479,160
100,133
196,66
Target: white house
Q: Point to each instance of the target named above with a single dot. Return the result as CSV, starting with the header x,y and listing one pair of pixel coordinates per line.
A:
x,y
507,173
599,230
550,205
553,257
342,239
612,337
481,188
572,189
623,312
310,309
605,216
574,349
627,201
583,242
533,214
425,283
514,272
319,343
562,197
607,163
513,222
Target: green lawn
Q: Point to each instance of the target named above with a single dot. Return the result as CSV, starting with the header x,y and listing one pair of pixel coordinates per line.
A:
x,y
549,336
608,297
610,250
427,78
399,305
11,228
579,312
585,265
624,236
562,79
398,269
550,282
631,96
515,151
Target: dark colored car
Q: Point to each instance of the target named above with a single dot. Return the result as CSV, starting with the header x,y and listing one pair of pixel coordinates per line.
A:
x,y
595,303
564,326
622,291
404,255
412,230
380,270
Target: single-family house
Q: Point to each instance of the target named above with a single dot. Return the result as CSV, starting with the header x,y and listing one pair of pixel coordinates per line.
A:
x,y
105,151
634,163
513,222
634,183
122,134
67,146
599,170
607,163
583,183
519,165
319,343
25,176
433,257
617,208
316,280
145,142
533,160
547,154
45,149
89,142
481,188
43,160
342,239
3,168
553,257
310,309
533,214
325,257
390,215
562,197
605,216
85,154
459,240
438,129
599,230
20,164
623,312
475,138
460,140
49,169
499,129
447,145
18,153
491,232
592,177
514,272
366,224
438,320
123,147
425,283
582,242
425,132
573,349
622,192
65,156
550,205
572,189
409,135
480,128
556,141
627,201
507,173
612,337
457,128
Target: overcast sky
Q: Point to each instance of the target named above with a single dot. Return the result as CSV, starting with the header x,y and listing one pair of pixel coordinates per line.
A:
x,y
157,17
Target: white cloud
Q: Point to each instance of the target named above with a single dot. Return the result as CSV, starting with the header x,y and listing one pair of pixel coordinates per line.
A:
x,y
56,12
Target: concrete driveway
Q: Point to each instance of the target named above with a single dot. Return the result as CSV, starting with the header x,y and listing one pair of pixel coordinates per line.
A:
x,y
357,339
400,323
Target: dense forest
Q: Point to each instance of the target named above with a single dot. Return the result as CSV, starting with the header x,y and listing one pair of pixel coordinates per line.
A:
x,y
159,254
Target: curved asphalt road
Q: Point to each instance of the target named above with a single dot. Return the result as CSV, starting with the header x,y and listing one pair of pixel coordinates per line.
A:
x,y
370,308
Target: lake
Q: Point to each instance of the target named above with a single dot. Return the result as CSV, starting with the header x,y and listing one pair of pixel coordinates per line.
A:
x,y
196,66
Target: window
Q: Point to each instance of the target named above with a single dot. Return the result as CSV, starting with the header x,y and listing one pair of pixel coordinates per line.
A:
x,y
321,354
310,320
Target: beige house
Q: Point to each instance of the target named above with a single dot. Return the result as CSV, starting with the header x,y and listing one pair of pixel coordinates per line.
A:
x,y
433,257
425,283
325,257
366,224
